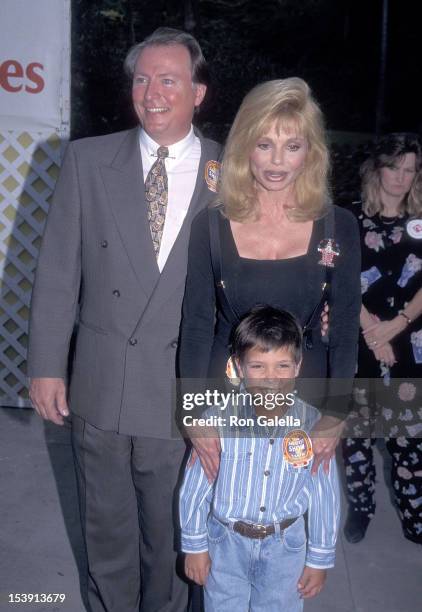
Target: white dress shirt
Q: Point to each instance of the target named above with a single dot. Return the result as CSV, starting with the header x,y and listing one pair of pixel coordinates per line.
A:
x,y
182,168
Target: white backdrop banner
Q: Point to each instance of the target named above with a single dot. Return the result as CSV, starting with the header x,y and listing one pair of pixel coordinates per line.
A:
x,y
34,64
34,129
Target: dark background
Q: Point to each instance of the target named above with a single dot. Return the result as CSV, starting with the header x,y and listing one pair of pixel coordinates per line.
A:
x,y
335,45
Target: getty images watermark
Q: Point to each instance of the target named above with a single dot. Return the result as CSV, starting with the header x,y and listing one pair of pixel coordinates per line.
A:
x,y
369,407
210,398
223,401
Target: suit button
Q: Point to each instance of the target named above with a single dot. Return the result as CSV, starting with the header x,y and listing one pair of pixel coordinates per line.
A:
x,y
271,441
116,293
133,341
104,244
174,344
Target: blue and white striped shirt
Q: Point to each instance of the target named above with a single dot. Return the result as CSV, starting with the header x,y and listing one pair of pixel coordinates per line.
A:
x,y
256,484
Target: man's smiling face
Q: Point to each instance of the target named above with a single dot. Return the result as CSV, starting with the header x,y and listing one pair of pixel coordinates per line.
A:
x,y
163,94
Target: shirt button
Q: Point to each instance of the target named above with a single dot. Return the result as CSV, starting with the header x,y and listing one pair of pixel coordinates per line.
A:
x,y
271,441
389,272
174,344
262,509
104,244
267,473
133,341
116,293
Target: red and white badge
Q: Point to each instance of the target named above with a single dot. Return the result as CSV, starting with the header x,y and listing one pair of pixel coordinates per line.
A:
x,y
297,448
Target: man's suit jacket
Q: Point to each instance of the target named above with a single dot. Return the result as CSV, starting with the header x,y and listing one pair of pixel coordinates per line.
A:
x,y
97,249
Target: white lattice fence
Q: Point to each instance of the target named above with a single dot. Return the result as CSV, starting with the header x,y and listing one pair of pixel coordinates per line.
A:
x,y
29,166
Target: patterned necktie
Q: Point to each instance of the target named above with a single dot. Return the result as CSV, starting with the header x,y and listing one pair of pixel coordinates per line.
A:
x,y
156,193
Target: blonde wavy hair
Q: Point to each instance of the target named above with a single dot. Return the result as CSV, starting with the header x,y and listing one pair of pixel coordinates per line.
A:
x,y
289,104
387,152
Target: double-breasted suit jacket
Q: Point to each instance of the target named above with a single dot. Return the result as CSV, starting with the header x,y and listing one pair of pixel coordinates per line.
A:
x,y
97,257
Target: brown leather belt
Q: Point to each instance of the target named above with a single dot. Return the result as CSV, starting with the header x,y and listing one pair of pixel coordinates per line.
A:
x,y
258,532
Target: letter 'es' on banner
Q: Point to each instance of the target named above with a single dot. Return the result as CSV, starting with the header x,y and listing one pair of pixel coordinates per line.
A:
x,y
34,64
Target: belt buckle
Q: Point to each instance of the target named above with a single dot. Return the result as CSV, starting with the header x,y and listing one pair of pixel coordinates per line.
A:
x,y
261,531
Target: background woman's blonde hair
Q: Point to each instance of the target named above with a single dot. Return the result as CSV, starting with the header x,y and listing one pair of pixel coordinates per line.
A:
x,y
387,152
289,104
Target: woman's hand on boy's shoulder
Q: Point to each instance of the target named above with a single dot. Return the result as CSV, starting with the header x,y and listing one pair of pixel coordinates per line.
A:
x,y
197,566
208,450
311,582
325,437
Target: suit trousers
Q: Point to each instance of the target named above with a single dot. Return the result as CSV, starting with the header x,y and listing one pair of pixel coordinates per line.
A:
x,y
127,501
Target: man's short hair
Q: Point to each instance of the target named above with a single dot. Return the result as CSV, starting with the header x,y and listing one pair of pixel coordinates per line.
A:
x,y
167,37
268,329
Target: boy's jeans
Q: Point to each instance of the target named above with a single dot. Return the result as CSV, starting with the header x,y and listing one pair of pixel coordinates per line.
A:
x,y
255,575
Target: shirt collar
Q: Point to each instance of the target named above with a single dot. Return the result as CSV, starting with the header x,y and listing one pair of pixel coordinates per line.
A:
x,y
177,151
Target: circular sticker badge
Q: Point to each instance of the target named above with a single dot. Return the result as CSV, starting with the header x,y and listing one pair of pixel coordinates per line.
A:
x,y
414,228
297,448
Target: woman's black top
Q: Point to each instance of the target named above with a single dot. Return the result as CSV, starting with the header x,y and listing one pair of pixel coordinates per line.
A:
x,y
293,284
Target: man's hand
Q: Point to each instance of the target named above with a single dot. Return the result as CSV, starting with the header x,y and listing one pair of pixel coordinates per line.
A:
x,y
197,566
48,395
325,436
311,582
208,450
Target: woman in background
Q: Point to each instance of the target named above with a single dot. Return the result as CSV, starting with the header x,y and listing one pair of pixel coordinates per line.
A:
x,y
390,347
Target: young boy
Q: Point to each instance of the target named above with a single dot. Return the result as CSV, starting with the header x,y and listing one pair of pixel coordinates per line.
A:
x,y
244,535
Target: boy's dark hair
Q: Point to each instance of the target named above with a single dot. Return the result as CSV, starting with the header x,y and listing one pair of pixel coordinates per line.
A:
x,y
269,329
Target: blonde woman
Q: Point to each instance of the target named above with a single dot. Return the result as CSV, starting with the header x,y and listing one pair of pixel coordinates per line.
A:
x,y
281,242
390,348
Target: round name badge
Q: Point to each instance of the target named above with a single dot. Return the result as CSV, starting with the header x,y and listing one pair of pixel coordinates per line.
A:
x,y
297,448
414,228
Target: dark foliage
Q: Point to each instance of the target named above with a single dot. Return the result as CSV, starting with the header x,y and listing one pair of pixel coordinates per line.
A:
x,y
332,44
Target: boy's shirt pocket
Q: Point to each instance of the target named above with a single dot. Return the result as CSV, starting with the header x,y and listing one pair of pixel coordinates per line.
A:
x,y
234,471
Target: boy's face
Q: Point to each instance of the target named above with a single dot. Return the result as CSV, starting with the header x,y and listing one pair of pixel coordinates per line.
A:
x,y
268,370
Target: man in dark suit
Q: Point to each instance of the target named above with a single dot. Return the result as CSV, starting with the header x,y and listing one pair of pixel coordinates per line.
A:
x,y
116,243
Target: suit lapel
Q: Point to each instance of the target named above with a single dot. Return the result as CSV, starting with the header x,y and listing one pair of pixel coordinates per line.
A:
x,y
123,181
